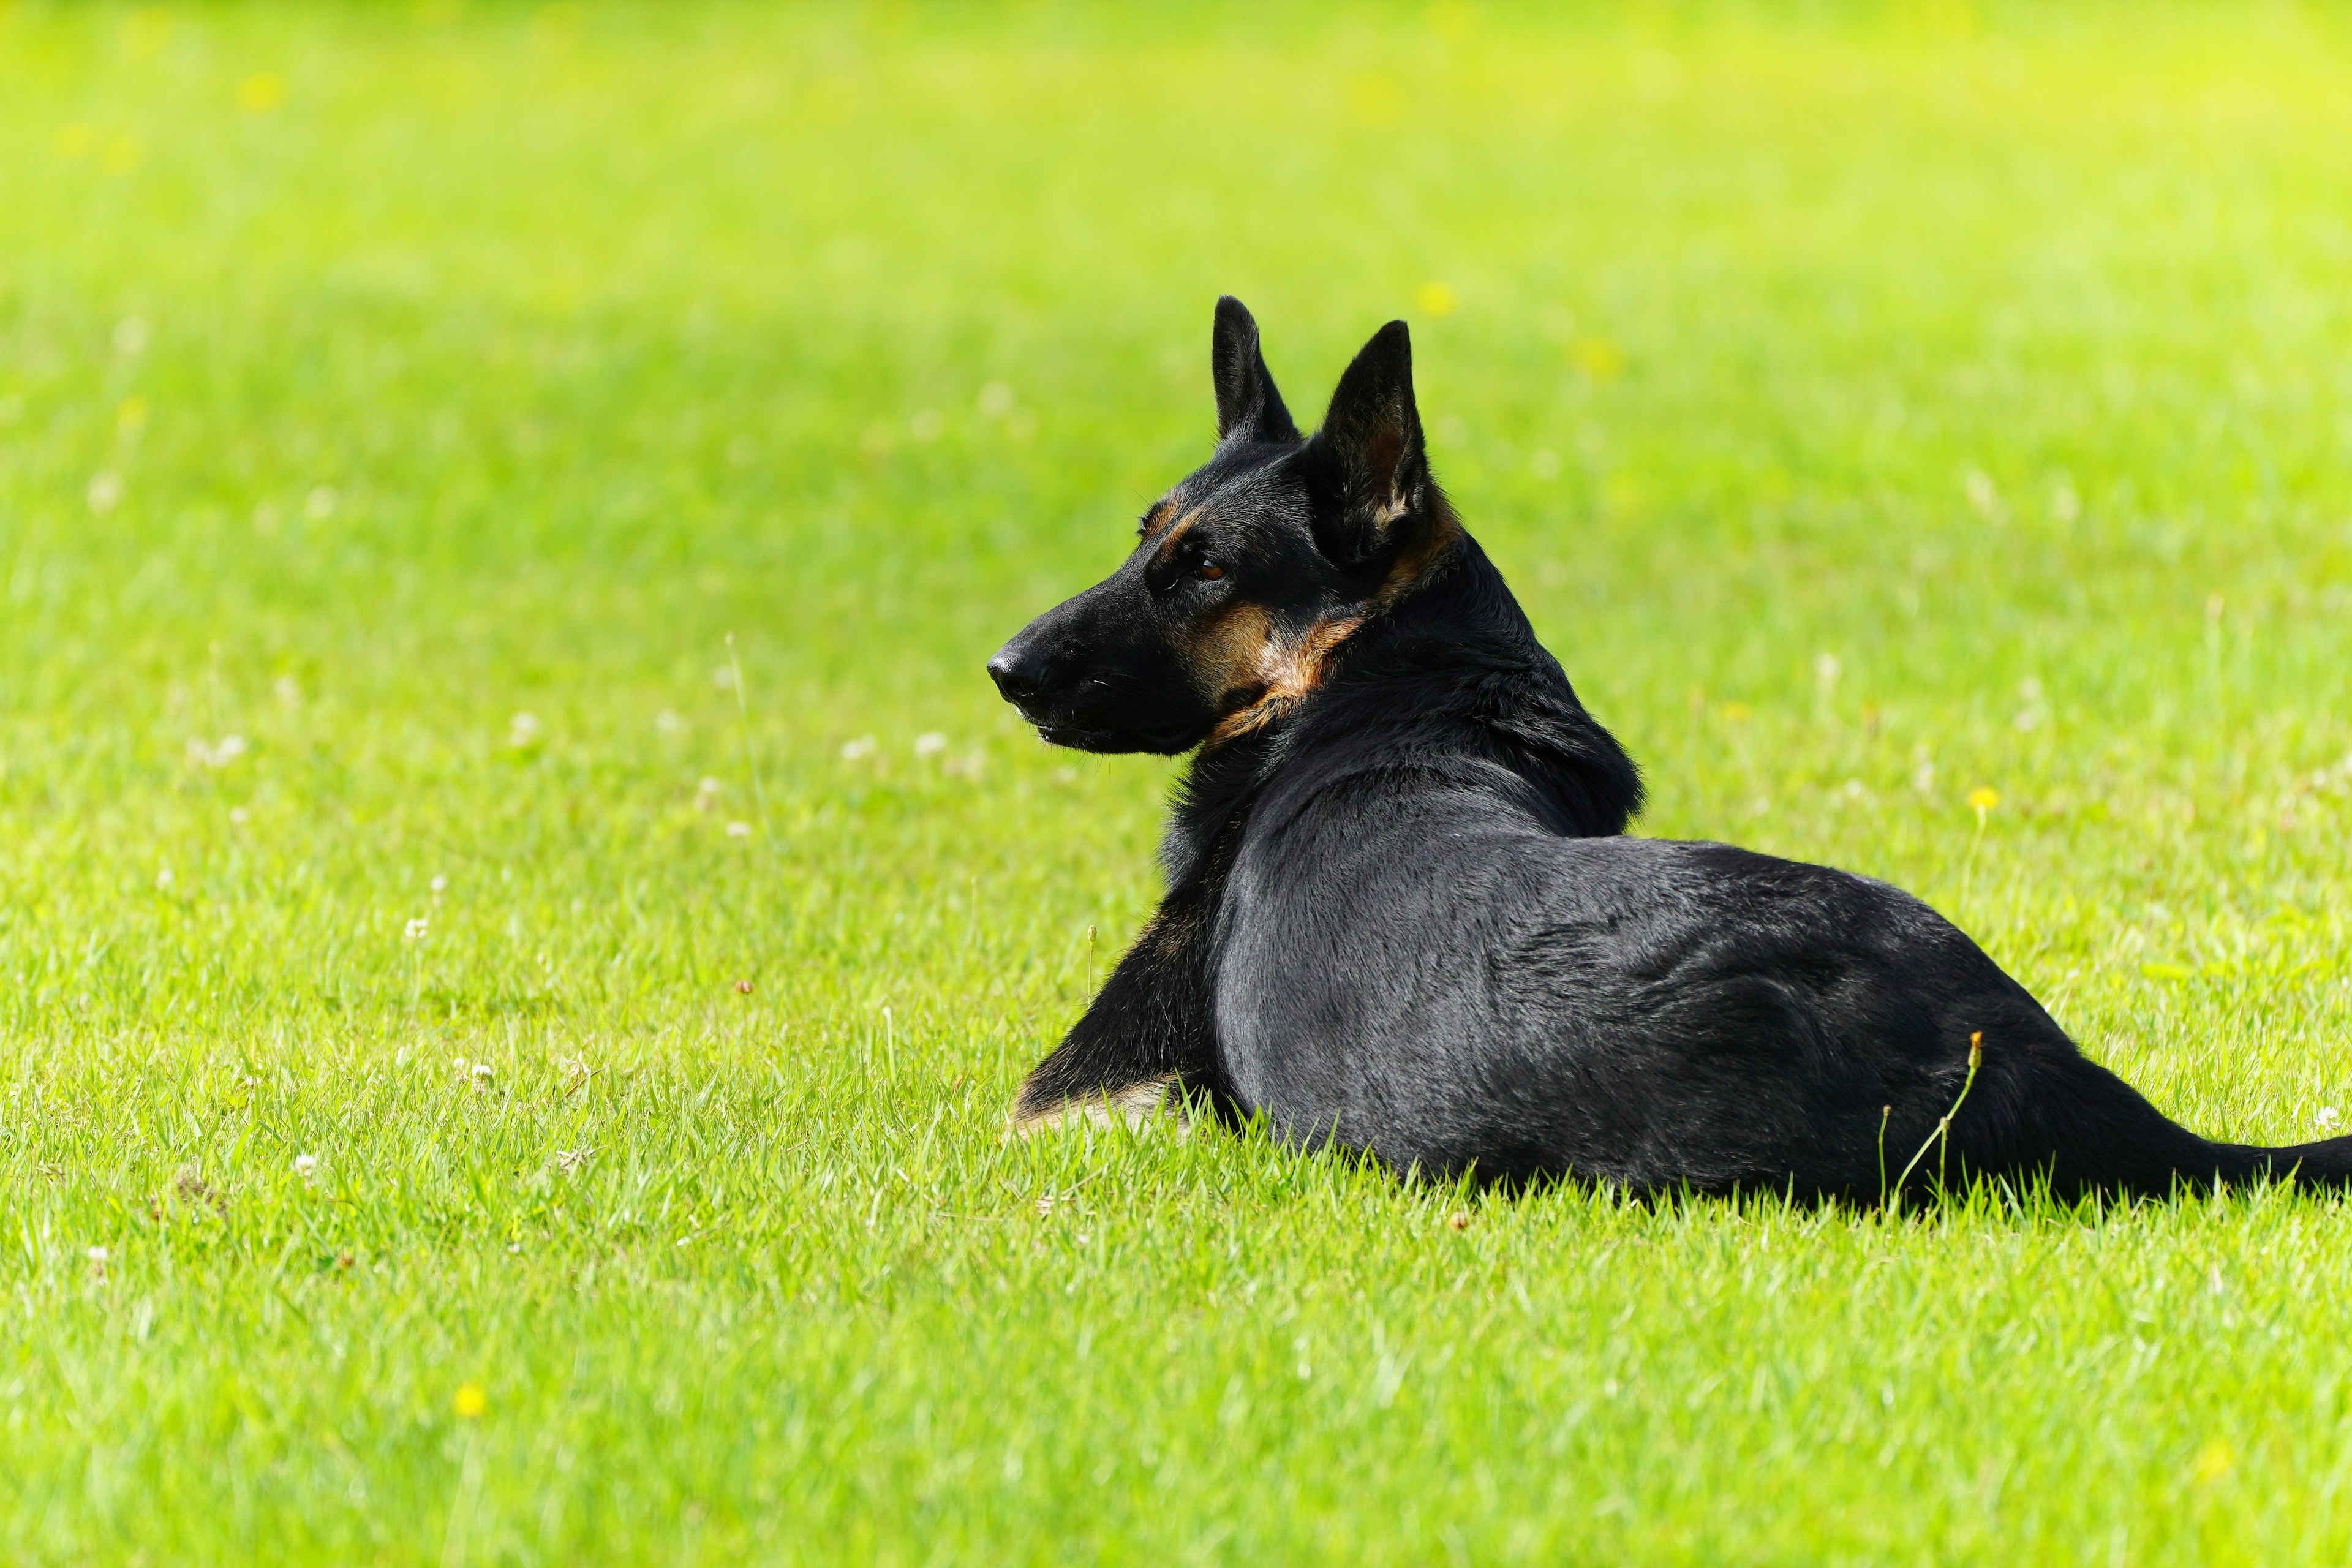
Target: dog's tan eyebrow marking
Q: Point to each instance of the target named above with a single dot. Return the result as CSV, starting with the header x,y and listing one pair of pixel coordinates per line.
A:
x,y
1157,518
1174,536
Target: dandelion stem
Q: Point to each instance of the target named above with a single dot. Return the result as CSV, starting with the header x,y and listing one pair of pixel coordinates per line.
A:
x,y
1884,1113
1968,869
751,756
1944,1128
469,1492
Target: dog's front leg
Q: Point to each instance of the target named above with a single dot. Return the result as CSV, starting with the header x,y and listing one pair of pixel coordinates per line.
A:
x,y
1146,1037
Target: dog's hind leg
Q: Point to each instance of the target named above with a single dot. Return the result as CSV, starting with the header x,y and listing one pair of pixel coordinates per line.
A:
x,y
1143,1041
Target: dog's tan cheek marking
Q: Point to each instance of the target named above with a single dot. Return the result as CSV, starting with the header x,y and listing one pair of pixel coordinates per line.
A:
x,y
1224,655
1135,1105
1294,672
1282,672
1288,670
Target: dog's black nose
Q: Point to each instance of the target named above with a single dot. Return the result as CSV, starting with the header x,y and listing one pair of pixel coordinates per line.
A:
x,y
1017,675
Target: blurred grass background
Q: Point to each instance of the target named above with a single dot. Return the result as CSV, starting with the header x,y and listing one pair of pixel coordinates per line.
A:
x,y
400,407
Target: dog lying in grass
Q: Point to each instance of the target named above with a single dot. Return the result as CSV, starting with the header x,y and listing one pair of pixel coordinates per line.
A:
x,y
1402,913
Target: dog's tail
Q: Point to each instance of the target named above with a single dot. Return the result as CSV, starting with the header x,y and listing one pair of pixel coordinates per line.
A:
x,y
2055,1111
2324,1165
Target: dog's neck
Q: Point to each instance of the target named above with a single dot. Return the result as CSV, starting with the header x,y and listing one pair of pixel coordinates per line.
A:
x,y
1452,670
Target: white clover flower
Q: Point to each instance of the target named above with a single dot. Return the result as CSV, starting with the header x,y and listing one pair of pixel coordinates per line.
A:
x,y
204,754
483,1074
2327,1116
305,1165
1984,496
930,744
440,884
98,1255
859,749
416,930
739,830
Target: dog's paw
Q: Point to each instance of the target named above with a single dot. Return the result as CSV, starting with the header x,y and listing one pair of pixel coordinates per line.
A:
x,y
1138,1105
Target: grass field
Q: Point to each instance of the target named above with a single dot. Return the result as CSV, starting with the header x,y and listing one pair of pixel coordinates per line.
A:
x,y
456,1107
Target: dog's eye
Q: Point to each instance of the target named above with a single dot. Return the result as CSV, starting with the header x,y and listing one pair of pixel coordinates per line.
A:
x,y
1208,571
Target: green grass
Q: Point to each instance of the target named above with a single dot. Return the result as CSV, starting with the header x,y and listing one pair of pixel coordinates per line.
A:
x,y
1869,408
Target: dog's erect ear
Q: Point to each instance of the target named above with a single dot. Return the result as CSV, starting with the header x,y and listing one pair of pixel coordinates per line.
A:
x,y
1248,407
1370,469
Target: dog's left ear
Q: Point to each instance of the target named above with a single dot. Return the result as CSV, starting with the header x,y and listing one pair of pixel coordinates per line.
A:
x,y
1369,470
1248,406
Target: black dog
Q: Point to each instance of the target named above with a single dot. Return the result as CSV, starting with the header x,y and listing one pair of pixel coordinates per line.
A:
x,y
1402,913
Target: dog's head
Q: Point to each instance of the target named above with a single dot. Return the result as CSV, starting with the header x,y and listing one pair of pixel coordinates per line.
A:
x,y
1251,571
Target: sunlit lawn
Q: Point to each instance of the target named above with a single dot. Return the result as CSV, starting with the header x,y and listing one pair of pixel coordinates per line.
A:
x,y
479,1082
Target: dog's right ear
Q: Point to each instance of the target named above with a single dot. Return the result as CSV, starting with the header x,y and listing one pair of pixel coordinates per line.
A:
x,y
1367,464
1248,407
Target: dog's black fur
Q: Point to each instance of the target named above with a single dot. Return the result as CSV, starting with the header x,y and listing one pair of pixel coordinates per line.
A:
x,y
1401,912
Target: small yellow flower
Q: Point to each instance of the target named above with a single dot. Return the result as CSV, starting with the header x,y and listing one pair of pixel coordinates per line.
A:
x,y
1983,799
146,30
1453,19
469,1401
1375,98
1436,298
132,413
1734,712
1597,357
261,92
2214,1461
